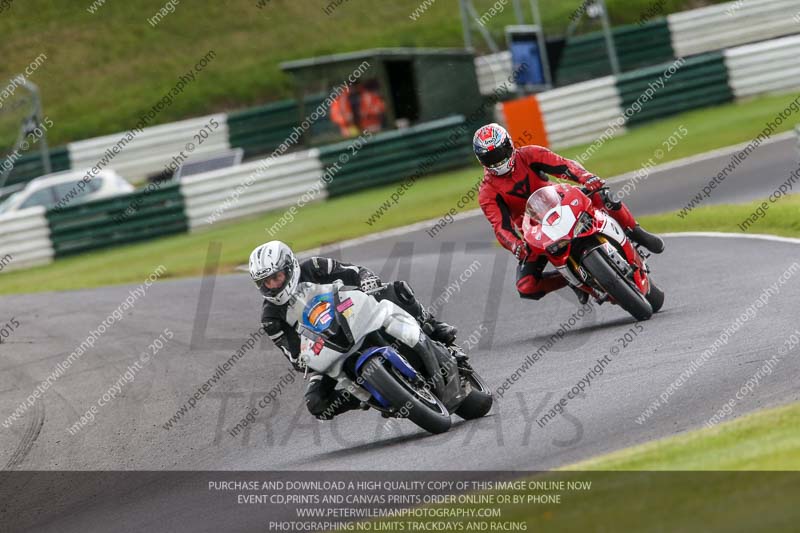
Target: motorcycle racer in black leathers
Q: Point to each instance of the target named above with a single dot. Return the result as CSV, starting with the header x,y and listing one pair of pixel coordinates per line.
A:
x,y
277,273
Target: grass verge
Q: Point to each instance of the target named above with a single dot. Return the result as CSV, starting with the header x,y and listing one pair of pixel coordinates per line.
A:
x,y
780,218
673,488
765,440
737,476
106,64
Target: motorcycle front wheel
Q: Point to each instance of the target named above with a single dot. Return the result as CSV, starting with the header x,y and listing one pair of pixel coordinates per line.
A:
x,y
618,287
655,297
416,402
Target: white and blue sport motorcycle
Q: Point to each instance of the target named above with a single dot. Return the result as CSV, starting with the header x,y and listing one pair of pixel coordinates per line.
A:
x,y
378,353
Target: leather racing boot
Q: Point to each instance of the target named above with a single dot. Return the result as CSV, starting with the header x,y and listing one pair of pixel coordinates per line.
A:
x,y
640,236
439,331
400,293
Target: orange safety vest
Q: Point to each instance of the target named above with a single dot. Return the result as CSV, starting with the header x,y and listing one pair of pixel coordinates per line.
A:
x,y
342,113
371,110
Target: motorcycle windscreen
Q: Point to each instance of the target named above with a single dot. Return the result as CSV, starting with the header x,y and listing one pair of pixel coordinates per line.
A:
x,y
321,315
541,203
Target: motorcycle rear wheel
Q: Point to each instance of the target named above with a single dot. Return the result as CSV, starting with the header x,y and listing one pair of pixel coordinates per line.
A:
x,y
423,408
479,400
614,284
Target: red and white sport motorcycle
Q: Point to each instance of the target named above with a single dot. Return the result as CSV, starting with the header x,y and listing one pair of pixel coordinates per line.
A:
x,y
590,249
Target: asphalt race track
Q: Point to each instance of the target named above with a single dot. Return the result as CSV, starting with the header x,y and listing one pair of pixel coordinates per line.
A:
x,y
709,282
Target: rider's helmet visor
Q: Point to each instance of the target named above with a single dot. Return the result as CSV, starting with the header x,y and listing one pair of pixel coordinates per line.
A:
x,y
274,283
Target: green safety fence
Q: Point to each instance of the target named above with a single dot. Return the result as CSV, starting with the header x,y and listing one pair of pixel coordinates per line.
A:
x,y
29,165
396,155
260,130
700,82
123,219
585,57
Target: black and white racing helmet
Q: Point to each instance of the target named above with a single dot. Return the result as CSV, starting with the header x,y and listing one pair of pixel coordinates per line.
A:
x,y
275,270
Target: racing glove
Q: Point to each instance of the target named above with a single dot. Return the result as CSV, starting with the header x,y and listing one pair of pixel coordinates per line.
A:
x,y
294,360
274,328
368,281
521,251
594,184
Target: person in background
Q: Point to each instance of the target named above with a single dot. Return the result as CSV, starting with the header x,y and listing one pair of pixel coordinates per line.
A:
x,y
358,109
372,108
342,113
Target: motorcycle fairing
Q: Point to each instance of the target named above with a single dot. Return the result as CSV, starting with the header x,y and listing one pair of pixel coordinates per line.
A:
x,y
361,314
318,313
390,355
395,359
558,222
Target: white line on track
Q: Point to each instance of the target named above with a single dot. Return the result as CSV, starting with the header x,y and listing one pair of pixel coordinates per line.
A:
x,y
724,235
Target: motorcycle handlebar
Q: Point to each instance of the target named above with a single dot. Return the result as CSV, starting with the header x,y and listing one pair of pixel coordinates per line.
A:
x,y
344,287
585,191
379,288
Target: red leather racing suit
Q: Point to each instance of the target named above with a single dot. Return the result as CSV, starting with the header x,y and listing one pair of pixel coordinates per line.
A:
x,y
503,199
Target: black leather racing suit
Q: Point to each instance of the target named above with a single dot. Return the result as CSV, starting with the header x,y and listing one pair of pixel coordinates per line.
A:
x,y
321,397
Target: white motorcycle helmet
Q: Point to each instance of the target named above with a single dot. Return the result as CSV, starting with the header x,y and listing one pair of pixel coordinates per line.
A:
x,y
276,271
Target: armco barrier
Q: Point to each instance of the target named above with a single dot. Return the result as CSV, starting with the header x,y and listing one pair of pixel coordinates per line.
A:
x,y
153,148
25,239
493,71
395,155
701,81
29,166
797,134
123,219
260,130
224,194
581,112
731,24
771,66
585,56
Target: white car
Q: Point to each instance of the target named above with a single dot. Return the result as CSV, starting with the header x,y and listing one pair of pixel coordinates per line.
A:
x,y
49,190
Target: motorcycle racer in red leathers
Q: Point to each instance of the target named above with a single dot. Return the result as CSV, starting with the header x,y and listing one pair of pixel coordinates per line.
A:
x,y
510,176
